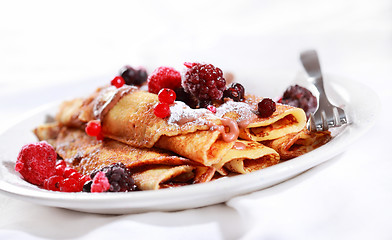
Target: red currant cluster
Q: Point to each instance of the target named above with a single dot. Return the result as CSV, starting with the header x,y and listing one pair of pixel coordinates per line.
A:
x,y
166,96
66,179
118,81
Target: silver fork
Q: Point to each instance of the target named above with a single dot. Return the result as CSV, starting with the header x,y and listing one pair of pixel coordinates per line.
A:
x,y
326,115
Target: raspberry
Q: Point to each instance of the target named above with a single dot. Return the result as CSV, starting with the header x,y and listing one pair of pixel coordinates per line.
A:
x,y
133,76
36,162
164,77
162,110
236,92
204,81
119,177
166,95
118,82
301,97
100,183
93,128
266,107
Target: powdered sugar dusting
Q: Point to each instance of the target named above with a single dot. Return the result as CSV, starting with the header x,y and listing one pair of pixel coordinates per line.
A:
x,y
181,114
244,111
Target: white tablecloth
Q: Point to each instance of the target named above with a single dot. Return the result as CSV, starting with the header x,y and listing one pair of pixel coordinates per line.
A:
x,y
48,49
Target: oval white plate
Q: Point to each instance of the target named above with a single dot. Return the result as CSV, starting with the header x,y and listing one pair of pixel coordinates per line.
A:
x,y
361,112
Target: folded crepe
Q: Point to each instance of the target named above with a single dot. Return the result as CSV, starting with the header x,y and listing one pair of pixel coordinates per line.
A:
x,y
247,156
285,120
127,115
296,144
152,168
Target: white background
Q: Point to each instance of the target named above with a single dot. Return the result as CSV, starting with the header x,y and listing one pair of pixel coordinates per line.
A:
x,y
52,50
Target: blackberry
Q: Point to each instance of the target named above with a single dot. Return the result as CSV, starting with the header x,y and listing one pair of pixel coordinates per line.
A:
x,y
300,97
133,76
236,92
204,81
188,99
266,107
119,176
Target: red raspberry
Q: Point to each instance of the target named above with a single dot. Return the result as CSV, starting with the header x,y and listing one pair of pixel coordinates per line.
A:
x,y
204,81
93,128
162,110
36,162
100,183
164,77
266,107
167,95
118,82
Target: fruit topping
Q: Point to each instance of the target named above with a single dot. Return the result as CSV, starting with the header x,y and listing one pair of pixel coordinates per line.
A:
x,y
266,107
69,185
167,95
236,92
212,108
133,76
188,99
53,183
204,81
117,81
100,183
162,110
36,162
93,128
163,77
119,178
301,97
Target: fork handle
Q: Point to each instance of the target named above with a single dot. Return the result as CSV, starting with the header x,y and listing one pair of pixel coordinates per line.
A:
x,y
311,63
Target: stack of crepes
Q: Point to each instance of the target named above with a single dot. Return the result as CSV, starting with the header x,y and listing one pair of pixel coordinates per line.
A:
x,y
190,146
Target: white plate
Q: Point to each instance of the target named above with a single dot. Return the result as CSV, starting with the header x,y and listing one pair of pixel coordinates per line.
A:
x,y
361,111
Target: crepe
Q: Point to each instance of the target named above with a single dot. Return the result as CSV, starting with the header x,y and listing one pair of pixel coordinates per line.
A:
x,y
152,168
127,115
296,144
247,156
283,121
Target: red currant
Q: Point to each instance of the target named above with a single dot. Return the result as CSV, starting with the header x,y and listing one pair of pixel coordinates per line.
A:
x,y
60,170
93,128
118,81
53,183
68,171
211,108
166,95
82,180
61,162
69,185
162,110
75,175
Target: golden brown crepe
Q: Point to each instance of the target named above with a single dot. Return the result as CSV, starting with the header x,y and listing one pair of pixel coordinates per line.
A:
x,y
153,168
247,156
296,144
283,121
127,115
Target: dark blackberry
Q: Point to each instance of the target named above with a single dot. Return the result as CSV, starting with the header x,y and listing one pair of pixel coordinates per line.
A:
x,y
300,97
87,186
236,92
204,81
119,176
133,76
266,107
188,99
